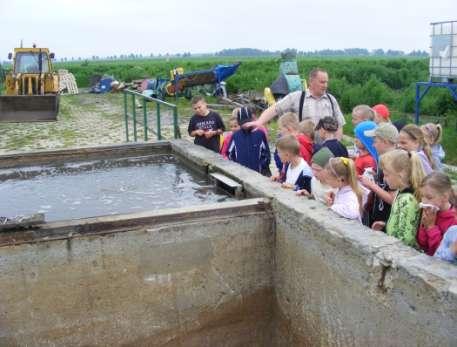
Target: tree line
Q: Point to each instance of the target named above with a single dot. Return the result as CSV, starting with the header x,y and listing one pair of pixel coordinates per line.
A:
x,y
348,52
362,80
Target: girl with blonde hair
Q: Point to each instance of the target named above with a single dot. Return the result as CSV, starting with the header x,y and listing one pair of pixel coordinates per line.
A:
x,y
347,201
411,139
432,136
438,212
403,172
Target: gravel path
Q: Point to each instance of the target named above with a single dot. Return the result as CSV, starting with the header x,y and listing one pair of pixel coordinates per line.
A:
x,y
84,120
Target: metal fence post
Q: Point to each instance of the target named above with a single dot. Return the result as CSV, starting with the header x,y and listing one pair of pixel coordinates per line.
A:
x,y
175,123
159,134
126,117
134,118
145,120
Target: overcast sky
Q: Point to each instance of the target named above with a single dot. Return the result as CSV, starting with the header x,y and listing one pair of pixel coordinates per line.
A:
x,y
82,28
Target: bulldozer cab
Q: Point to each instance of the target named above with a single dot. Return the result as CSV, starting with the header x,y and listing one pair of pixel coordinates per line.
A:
x,y
32,62
31,87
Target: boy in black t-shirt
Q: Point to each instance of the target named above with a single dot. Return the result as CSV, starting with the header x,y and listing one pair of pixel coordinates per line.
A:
x,y
327,129
205,125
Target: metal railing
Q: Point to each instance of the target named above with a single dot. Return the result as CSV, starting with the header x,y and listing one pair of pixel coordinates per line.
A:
x,y
132,95
2,79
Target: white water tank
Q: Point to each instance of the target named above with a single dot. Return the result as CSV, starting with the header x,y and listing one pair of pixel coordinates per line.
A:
x,y
443,52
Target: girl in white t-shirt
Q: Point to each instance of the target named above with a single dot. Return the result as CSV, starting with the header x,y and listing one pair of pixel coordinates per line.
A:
x,y
347,201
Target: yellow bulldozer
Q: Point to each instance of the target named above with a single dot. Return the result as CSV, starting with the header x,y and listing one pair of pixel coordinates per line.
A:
x,y
31,87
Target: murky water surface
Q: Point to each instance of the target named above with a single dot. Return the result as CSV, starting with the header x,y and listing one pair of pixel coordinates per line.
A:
x,y
104,187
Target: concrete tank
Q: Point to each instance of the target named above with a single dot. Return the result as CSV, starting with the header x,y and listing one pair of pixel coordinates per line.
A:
x,y
272,269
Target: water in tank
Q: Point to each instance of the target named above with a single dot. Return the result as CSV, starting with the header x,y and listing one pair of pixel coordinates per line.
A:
x,y
443,53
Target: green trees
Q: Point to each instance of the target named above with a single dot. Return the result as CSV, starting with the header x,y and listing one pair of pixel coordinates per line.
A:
x,y
360,80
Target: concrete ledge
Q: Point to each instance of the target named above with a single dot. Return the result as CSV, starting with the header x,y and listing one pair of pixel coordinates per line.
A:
x,y
31,158
105,225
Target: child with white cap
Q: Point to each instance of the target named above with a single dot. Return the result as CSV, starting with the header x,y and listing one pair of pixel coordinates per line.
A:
x,y
381,196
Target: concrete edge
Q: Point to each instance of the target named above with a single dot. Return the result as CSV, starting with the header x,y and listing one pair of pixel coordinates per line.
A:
x,y
110,224
52,156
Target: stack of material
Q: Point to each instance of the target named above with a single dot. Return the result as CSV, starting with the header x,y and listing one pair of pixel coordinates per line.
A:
x,y
136,85
250,99
67,82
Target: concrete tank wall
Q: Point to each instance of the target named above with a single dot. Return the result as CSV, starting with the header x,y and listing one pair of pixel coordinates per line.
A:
x,y
193,276
338,283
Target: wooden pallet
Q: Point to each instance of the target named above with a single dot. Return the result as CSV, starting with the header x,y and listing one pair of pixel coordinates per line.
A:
x,y
67,83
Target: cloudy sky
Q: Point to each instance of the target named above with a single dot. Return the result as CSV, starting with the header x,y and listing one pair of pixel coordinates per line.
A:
x,y
82,28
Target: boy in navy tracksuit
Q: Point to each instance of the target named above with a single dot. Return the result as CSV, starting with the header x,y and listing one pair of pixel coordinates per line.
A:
x,y
250,147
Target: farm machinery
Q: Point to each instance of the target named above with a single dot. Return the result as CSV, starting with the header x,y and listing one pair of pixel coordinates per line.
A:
x,y
32,86
181,83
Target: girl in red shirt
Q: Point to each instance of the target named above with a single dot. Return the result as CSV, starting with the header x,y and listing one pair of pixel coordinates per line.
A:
x,y
438,212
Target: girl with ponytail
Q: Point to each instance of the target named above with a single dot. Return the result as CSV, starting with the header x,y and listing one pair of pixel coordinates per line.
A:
x,y
432,136
347,201
411,139
403,172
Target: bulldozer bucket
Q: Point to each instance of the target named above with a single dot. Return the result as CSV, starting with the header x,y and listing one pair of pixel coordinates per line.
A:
x,y
29,108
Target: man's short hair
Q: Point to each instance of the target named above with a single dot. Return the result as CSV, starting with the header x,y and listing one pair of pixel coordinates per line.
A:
x,y
313,73
288,143
365,111
197,98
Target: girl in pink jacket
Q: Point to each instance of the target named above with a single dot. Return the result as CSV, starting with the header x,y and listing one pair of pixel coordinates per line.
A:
x,y
438,212
234,126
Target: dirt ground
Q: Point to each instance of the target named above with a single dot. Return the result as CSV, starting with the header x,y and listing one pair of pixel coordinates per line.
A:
x,y
87,120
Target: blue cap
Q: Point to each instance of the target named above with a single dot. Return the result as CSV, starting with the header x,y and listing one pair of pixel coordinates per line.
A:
x,y
359,132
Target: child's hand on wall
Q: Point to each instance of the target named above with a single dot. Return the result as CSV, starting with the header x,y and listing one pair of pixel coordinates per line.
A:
x,y
303,192
275,178
287,186
330,198
378,225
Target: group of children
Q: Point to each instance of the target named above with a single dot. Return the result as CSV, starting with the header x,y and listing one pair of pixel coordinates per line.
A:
x,y
392,183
